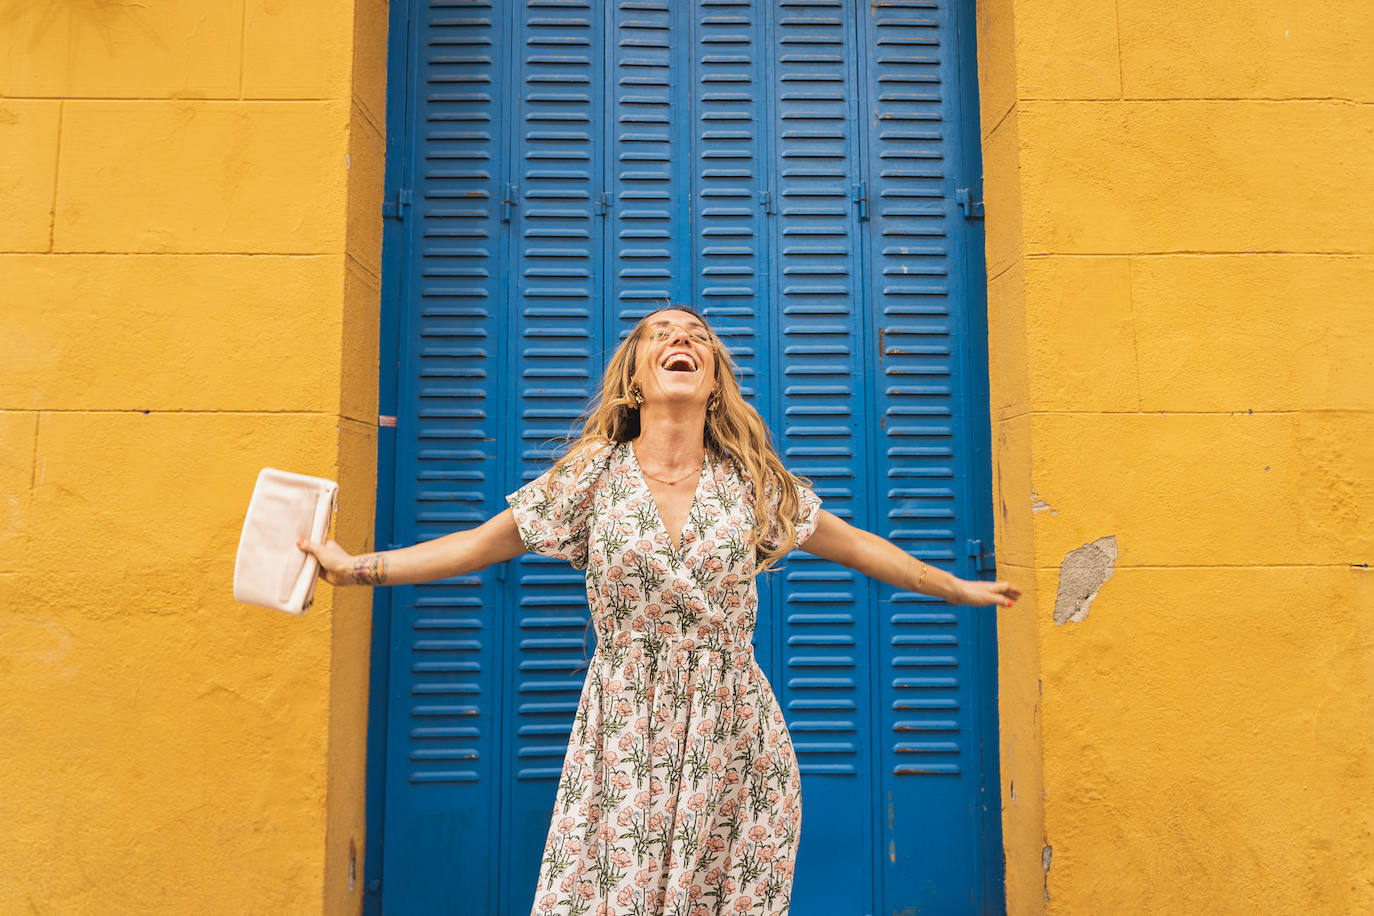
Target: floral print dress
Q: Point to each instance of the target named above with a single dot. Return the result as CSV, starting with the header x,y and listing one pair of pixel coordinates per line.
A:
x,y
680,793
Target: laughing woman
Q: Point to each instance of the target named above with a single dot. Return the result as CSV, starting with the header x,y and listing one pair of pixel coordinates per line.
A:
x,y
680,792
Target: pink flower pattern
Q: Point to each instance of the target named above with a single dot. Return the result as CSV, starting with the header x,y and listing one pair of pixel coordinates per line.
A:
x,y
680,793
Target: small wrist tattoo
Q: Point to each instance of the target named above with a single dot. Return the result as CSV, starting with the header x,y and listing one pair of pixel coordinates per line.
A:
x,y
369,570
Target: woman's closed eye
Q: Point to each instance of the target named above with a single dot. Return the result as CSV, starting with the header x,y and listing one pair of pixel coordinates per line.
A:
x,y
662,334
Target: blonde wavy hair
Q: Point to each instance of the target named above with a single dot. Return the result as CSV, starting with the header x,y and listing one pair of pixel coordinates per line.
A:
x,y
734,430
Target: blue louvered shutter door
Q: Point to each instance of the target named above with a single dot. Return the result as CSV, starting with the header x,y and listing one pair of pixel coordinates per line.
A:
x,y
554,304
726,235
647,197
443,728
824,679
929,734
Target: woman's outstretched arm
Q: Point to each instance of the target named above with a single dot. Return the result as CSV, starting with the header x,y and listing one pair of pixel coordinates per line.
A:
x,y
453,554
835,539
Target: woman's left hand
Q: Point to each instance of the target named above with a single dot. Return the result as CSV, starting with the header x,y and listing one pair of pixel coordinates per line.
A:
x,y
978,593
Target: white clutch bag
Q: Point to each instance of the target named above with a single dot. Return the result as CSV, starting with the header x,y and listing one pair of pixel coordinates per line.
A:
x,y
270,570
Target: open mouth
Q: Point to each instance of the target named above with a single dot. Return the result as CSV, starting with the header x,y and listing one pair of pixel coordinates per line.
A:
x,y
680,361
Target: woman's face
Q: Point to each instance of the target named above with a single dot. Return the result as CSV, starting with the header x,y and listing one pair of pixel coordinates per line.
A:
x,y
675,359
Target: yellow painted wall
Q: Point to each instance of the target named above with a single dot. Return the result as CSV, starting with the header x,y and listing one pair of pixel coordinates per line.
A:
x,y
1180,256
1180,252
189,280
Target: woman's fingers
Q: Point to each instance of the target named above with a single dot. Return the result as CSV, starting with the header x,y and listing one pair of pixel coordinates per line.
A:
x,y
1000,592
331,557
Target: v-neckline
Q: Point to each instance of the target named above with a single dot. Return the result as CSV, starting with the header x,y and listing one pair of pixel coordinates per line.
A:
x,y
696,493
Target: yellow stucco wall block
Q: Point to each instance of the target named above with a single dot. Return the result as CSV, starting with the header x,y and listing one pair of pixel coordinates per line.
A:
x,y
1205,488
276,32
18,433
178,332
266,177
190,727
1005,234
1270,332
1081,334
1123,177
28,158
97,49
1063,51
1246,49
1020,760
1207,733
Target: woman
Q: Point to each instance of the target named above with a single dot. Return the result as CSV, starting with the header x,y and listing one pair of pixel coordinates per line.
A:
x,y
680,792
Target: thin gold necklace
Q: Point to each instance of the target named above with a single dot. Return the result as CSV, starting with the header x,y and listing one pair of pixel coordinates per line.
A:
x,y
671,483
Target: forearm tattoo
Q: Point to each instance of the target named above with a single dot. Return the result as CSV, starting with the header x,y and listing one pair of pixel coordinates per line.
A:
x,y
369,570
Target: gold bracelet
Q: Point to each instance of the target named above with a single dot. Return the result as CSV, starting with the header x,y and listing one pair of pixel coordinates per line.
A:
x,y
924,569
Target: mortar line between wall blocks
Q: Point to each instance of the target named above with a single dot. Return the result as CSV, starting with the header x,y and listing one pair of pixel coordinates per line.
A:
x,y
1196,253
1144,567
1005,115
1135,328
33,468
243,35
56,175
357,262
1219,412
1198,98
164,99
1120,68
182,254
214,411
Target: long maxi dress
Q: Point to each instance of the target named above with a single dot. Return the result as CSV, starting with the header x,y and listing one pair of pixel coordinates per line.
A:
x,y
680,793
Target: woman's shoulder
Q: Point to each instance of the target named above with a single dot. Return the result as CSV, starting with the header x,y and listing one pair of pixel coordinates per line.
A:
x,y
592,460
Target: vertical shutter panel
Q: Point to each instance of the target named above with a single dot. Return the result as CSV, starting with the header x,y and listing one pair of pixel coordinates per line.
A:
x,y
824,680
442,720
726,233
556,300
929,724
646,191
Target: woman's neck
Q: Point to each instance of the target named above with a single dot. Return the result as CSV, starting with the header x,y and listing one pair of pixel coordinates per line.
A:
x,y
671,440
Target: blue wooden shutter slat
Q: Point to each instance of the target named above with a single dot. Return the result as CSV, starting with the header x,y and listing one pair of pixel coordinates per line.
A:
x,y
824,618
930,730
442,725
556,297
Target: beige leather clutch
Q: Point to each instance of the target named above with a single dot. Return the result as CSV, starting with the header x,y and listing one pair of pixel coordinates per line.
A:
x,y
270,570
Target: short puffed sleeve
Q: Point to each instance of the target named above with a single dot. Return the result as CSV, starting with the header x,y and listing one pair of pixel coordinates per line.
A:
x,y
553,511
808,515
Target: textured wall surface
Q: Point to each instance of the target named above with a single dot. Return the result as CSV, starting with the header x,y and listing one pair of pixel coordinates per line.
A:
x,y
190,250
1180,256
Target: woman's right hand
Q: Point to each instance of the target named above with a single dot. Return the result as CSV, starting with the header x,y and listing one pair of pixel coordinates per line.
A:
x,y
336,564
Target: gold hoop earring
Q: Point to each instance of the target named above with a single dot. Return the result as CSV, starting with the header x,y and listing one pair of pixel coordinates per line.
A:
x,y
636,393
715,399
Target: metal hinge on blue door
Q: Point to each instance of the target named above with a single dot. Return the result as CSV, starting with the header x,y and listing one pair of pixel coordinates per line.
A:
x,y
396,207
973,209
509,198
861,199
603,204
982,561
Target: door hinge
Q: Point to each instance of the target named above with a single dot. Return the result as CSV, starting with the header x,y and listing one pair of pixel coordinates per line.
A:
x,y
396,207
509,198
983,561
861,200
766,201
973,209
603,203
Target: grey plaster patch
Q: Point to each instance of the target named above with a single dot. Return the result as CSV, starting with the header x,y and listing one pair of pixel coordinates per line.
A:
x,y
1081,575
1045,855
